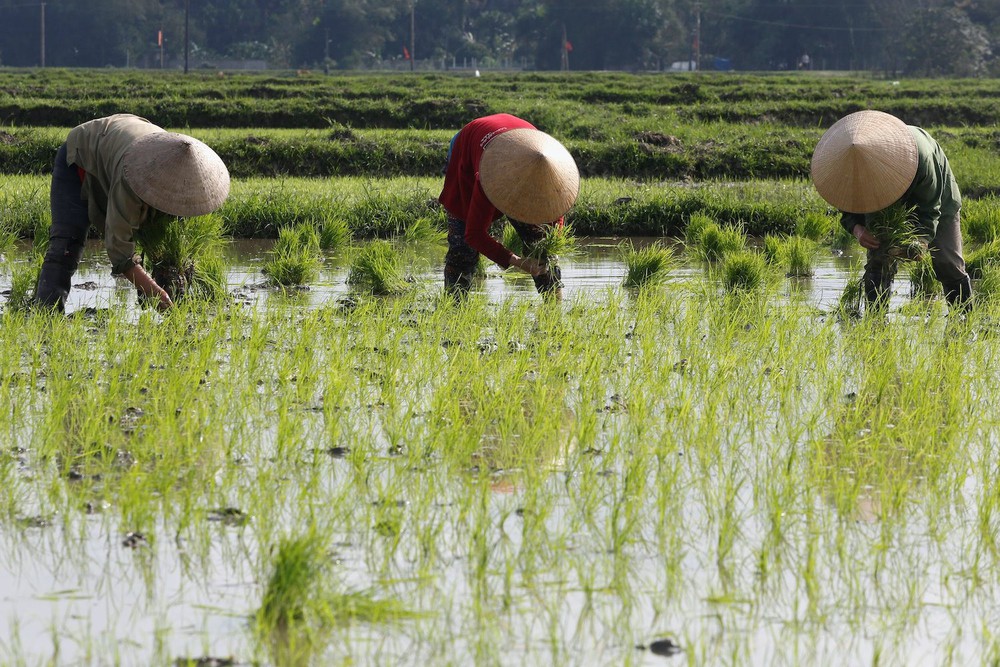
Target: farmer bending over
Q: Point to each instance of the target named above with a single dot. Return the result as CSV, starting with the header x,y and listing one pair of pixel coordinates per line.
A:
x,y
501,165
122,173
868,161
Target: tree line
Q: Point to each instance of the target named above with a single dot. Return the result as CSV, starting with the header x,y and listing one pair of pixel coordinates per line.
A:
x,y
898,37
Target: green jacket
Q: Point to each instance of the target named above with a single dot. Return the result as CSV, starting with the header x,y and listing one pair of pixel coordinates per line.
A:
x,y
98,147
934,192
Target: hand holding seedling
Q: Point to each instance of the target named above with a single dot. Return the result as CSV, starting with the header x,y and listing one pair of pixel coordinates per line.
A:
x,y
148,287
531,265
865,237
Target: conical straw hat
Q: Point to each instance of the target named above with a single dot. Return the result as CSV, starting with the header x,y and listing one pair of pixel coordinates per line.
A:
x,y
176,174
864,162
529,176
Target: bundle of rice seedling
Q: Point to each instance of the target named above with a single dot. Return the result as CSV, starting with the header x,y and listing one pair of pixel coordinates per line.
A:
x,y
815,226
173,249
378,268
334,233
647,266
895,228
799,253
744,271
558,241
294,260
715,242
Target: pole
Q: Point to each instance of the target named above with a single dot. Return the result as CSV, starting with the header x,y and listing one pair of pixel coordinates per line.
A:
x,y
695,62
42,41
697,36
564,52
413,50
187,42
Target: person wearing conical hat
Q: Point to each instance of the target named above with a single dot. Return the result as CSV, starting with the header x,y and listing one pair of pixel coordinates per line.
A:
x,y
121,173
502,165
870,160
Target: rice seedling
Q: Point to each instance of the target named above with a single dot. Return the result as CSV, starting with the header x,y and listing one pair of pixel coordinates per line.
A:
x,y
895,228
696,226
294,260
744,271
981,220
377,268
559,241
773,248
334,233
923,280
815,226
850,298
983,257
24,277
173,249
649,265
800,255
424,230
715,242
510,239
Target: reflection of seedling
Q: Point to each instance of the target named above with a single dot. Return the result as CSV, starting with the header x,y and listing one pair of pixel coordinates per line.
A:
x,y
646,266
295,257
378,268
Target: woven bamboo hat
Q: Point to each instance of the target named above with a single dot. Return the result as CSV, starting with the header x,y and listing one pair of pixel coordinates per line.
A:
x,y
864,162
176,174
529,176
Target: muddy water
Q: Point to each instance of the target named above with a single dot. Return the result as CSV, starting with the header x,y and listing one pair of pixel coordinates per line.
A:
x,y
79,589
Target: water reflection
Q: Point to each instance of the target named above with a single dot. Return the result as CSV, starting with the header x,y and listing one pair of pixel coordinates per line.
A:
x,y
596,267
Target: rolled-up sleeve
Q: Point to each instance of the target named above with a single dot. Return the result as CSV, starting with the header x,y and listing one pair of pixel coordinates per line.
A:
x,y
125,213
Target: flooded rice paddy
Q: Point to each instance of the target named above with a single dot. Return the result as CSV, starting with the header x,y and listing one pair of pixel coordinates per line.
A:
x,y
665,477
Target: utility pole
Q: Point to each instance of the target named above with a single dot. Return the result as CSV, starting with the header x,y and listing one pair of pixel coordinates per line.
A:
x,y
413,50
564,51
187,42
696,39
42,41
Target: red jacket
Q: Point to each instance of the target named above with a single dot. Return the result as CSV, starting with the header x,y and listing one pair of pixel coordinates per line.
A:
x,y
463,196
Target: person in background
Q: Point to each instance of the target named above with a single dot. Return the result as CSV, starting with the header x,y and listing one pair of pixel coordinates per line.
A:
x,y
121,173
502,165
870,160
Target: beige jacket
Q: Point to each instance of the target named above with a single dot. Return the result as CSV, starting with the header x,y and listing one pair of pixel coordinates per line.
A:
x,y
98,147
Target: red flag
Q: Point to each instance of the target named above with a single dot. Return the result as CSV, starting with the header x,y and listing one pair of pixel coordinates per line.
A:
x,y
159,38
406,53
569,45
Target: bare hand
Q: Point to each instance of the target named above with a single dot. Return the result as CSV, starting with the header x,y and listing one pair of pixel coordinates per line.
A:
x,y
149,288
530,265
865,237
